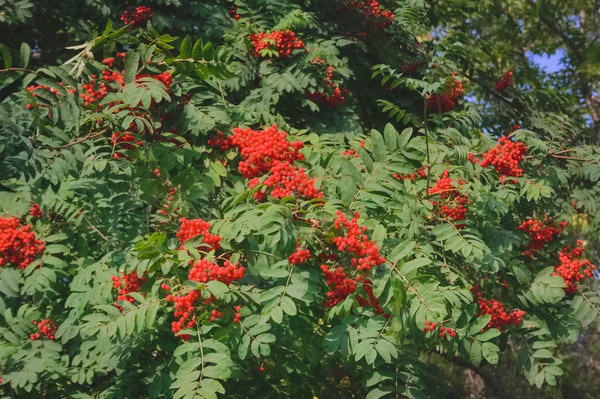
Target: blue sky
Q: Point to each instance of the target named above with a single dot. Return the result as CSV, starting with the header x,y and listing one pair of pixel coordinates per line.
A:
x,y
548,62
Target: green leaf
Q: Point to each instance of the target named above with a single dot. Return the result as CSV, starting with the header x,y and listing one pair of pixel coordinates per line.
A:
x,y
25,53
217,288
405,137
379,149
288,306
131,66
475,353
479,324
185,49
488,334
414,264
490,352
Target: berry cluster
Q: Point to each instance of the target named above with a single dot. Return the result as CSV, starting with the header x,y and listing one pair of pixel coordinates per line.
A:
x,y
233,13
571,265
364,252
169,200
35,211
419,173
205,271
197,227
540,232
364,255
282,41
332,96
33,88
125,284
220,141
431,326
165,78
472,158
18,244
340,286
505,158
500,317
261,150
285,180
237,316
350,153
270,153
452,204
300,255
46,328
446,101
504,83
138,17
373,17
184,311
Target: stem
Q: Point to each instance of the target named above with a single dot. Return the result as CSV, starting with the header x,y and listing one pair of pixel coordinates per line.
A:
x,y
81,140
426,144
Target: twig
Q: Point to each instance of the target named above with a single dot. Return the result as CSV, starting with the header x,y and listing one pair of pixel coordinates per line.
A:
x,y
81,140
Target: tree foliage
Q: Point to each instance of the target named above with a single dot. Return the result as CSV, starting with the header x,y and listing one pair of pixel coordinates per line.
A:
x,y
305,218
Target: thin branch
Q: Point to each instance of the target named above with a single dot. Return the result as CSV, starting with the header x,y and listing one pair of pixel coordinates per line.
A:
x,y
81,140
17,69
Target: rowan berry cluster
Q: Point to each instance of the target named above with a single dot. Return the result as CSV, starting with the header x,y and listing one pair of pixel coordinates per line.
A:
x,y
169,200
165,78
500,317
540,232
270,153
286,180
446,101
364,252
138,17
571,265
374,18
505,158
33,88
419,173
46,328
472,158
220,141
340,286
237,316
261,150
18,244
205,271
452,204
332,96
191,228
350,153
300,255
184,311
233,13
431,326
282,41
35,211
370,301
125,284
504,83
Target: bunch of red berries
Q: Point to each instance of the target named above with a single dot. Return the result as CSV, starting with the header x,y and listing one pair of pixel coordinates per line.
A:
x,y
18,244
138,17
300,255
33,88
282,41
194,228
165,78
269,152
340,286
500,317
472,158
374,18
364,252
125,284
205,271
46,328
233,13
184,311
540,232
350,153
571,265
446,101
504,83
169,200
431,326
220,141
123,140
505,158
419,173
285,180
35,211
237,316
260,150
333,96
453,204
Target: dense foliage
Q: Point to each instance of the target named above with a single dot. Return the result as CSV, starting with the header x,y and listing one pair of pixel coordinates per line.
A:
x,y
280,199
